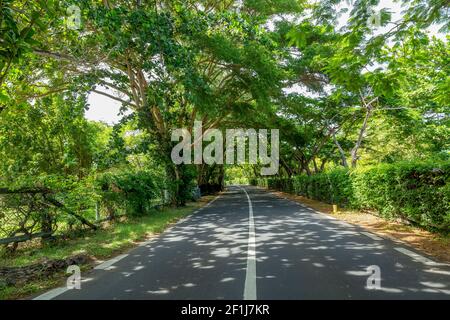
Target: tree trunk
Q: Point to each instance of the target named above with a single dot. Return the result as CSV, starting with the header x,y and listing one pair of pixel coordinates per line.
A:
x,y
222,177
176,174
286,167
341,152
316,169
46,226
369,107
354,152
111,212
322,166
307,169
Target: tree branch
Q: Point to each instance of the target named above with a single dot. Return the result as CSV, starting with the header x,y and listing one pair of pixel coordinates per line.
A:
x,y
114,98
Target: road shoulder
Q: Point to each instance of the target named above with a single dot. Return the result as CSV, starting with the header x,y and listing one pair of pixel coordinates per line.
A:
x,y
432,244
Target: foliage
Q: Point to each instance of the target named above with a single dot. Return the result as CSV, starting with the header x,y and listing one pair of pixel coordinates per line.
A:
x,y
345,97
414,191
50,137
332,187
102,244
134,192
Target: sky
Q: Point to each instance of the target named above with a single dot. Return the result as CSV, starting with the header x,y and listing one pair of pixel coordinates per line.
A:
x,y
107,110
103,109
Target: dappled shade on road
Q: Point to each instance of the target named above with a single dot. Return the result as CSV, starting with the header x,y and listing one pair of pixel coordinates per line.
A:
x,y
301,254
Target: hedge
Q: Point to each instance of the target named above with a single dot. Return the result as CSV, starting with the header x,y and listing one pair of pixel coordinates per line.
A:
x,y
418,192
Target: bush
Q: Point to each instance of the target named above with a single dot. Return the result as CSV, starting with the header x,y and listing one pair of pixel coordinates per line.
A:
x,y
259,182
332,187
418,192
415,191
62,205
135,192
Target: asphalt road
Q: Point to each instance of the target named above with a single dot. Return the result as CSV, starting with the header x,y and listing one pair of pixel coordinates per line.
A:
x,y
251,244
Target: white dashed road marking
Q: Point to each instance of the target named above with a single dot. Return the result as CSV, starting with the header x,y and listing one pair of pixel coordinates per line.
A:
x,y
250,277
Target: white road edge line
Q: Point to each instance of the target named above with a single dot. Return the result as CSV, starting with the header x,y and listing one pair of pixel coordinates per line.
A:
x,y
250,277
211,202
416,257
109,263
52,294
59,291
372,236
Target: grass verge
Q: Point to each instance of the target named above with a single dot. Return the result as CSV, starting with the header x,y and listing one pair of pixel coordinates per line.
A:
x,y
113,239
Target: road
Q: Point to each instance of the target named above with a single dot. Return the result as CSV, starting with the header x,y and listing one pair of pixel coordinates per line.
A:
x,y
251,244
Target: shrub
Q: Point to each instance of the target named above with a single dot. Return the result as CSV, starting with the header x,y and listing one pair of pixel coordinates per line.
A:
x,y
415,191
332,187
418,192
135,192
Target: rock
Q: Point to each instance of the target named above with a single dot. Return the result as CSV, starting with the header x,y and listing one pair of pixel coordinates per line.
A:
x,y
11,276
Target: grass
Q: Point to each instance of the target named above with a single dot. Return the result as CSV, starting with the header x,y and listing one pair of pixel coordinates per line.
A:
x,y
29,288
110,241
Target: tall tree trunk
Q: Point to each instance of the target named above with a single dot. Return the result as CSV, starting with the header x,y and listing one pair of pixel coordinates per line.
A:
x,y
316,169
369,107
306,168
303,164
354,152
174,175
286,167
322,166
341,152
111,212
222,177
